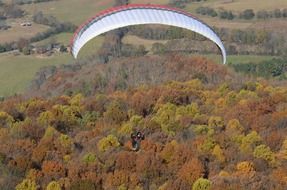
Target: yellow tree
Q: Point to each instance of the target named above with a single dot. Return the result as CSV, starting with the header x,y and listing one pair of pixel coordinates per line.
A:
x,y
27,184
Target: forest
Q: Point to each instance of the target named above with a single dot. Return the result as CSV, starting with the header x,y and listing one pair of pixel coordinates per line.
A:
x,y
199,135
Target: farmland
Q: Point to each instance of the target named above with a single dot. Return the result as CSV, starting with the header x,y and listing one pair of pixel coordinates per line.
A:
x,y
17,71
17,31
134,40
73,11
239,5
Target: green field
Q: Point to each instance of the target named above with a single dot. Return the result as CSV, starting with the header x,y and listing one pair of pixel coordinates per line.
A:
x,y
75,11
162,2
62,38
240,5
17,31
134,40
234,59
16,72
91,47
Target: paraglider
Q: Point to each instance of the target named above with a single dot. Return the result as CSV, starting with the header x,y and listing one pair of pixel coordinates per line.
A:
x,y
136,139
128,15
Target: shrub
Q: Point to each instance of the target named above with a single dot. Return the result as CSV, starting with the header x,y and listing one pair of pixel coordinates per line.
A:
x,y
26,50
277,13
226,15
206,11
247,14
262,14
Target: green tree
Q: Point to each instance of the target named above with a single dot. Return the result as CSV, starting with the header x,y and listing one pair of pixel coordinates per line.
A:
x,y
26,50
127,127
264,152
201,184
216,122
5,119
218,153
53,185
208,145
247,14
190,110
250,141
89,158
66,142
108,142
166,118
234,128
27,184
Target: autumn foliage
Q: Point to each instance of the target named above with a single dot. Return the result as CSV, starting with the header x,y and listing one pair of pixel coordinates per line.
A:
x,y
197,137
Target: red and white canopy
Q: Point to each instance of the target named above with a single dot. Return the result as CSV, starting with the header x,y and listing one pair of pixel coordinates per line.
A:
x,y
128,15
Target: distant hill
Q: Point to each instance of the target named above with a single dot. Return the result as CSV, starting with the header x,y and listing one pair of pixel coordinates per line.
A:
x,y
124,73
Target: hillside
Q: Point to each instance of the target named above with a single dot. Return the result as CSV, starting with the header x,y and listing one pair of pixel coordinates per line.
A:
x,y
225,137
124,73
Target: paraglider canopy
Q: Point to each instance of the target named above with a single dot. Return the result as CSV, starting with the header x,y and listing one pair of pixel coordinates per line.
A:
x,y
128,15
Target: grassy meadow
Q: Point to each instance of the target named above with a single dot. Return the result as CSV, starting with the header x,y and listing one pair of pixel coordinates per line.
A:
x,y
74,11
17,31
135,40
16,72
